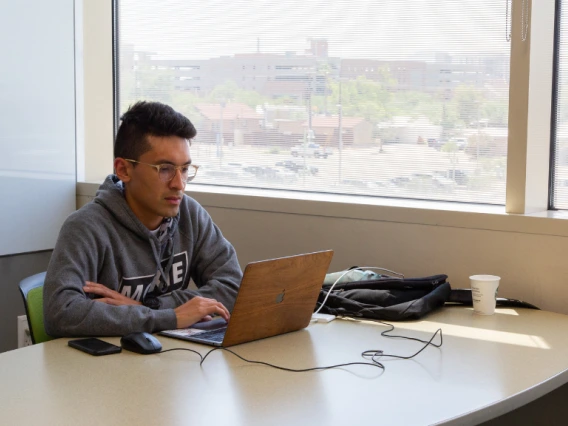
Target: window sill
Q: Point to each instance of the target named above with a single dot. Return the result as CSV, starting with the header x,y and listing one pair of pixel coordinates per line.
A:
x,y
404,211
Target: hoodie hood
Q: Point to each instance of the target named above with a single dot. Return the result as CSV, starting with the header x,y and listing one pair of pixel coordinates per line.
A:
x,y
111,196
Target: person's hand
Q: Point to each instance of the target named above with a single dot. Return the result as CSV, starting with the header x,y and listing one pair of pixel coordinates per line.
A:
x,y
108,296
198,309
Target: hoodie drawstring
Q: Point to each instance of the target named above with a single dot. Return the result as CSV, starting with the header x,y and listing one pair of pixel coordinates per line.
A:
x,y
167,249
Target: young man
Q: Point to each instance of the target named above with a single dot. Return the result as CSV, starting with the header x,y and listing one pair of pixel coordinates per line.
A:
x,y
123,262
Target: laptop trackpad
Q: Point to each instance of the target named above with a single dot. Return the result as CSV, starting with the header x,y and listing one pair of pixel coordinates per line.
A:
x,y
210,325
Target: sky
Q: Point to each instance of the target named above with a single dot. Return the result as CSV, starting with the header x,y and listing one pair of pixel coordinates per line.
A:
x,y
372,29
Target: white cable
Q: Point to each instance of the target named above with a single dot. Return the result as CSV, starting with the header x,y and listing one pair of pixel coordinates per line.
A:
x,y
346,272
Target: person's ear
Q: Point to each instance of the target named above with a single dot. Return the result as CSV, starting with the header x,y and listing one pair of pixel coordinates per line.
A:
x,y
123,169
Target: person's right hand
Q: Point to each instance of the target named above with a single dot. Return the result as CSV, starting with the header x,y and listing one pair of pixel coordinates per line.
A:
x,y
197,309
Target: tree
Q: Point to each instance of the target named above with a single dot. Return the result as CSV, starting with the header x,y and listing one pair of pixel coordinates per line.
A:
x,y
496,112
230,91
451,149
184,102
468,102
146,82
359,98
414,104
483,145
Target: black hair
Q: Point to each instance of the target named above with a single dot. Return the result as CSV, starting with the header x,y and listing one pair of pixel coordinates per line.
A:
x,y
149,118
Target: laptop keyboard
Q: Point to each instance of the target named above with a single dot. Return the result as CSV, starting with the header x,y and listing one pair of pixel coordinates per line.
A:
x,y
213,335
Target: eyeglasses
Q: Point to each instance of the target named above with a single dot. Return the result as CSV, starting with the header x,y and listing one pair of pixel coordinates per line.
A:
x,y
166,172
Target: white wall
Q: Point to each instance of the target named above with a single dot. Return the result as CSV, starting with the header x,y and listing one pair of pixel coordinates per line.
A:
x,y
37,122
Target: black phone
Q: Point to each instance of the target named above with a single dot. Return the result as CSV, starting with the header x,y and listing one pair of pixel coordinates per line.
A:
x,y
94,346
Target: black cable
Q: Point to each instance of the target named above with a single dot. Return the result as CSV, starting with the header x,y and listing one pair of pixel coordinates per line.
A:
x,y
373,353
185,349
374,363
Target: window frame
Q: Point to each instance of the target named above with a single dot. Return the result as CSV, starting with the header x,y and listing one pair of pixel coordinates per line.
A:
x,y
554,111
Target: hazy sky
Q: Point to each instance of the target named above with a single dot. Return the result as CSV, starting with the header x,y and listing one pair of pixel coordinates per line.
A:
x,y
374,29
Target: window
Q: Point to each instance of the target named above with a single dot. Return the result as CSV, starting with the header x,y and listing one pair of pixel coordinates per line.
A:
x,y
356,92
559,198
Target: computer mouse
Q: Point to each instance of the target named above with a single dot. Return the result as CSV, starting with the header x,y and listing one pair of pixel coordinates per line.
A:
x,y
141,342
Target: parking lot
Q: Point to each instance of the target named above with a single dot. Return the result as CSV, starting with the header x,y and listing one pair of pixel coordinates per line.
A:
x,y
396,170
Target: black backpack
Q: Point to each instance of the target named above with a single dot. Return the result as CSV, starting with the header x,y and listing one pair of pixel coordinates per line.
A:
x,y
387,298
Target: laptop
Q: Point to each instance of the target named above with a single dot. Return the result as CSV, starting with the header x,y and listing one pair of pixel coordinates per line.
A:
x,y
276,296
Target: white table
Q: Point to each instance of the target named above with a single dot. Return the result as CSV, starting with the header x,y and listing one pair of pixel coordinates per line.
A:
x,y
486,367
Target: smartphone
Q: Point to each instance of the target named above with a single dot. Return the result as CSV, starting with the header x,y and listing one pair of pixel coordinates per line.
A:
x,y
94,346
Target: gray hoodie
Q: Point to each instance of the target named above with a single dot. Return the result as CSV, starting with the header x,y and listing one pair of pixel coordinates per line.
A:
x,y
104,242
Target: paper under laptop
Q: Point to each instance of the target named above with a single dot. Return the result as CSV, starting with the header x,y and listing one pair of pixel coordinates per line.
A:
x,y
276,296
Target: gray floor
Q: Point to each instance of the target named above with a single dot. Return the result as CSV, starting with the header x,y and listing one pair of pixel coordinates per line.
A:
x,y
550,410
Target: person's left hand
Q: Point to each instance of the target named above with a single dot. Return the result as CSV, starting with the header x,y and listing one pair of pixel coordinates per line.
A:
x,y
108,296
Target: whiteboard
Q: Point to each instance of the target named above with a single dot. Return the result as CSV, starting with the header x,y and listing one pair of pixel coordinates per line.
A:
x,y
37,122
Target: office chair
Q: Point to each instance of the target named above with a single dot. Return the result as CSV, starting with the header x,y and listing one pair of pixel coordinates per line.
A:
x,y
32,292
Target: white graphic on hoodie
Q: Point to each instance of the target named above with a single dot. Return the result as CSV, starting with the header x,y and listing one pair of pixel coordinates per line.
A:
x,y
137,287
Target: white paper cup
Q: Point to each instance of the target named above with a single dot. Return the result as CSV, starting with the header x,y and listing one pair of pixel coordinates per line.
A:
x,y
484,293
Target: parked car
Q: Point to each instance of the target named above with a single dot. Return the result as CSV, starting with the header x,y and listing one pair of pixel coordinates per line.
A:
x,y
460,142
227,176
430,182
297,167
458,176
310,150
270,174
361,185
255,170
437,144
400,181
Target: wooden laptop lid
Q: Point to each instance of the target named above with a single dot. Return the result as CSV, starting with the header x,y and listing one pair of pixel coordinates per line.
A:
x,y
277,296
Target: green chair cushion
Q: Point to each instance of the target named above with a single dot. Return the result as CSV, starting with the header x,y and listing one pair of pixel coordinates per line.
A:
x,y
34,301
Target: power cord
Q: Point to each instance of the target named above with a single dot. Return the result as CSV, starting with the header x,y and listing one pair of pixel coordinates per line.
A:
x,y
373,363
345,273
293,370
371,354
